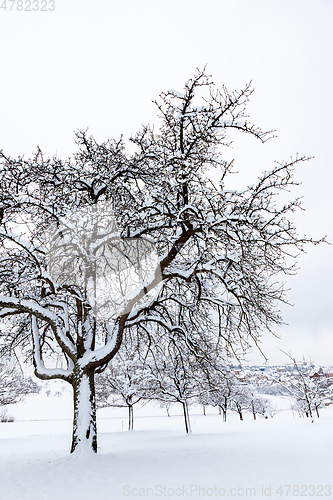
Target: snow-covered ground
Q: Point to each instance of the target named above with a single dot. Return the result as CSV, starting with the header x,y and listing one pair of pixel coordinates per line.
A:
x,y
277,458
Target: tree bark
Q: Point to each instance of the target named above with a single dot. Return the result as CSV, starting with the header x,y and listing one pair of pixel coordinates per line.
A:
x,y
240,413
186,418
84,437
130,417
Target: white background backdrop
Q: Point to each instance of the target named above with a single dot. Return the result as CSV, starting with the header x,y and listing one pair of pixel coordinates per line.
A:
x,y
99,64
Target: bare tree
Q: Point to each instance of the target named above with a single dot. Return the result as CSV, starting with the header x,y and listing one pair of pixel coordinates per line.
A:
x,y
309,392
260,405
13,384
222,248
218,384
240,399
323,392
126,381
175,375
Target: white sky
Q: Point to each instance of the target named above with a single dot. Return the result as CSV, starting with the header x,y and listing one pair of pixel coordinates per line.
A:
x,y
99,64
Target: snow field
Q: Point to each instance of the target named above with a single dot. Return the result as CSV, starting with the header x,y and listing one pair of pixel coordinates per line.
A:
x,y
157,460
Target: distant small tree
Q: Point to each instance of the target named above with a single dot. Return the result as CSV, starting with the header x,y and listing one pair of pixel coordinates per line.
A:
x,y
224,390
259,405
241,399
219,385
309,392
166,405
175,375
125,382
13,385
323,393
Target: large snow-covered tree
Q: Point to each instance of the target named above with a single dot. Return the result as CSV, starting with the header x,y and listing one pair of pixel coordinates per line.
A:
x,y
222,248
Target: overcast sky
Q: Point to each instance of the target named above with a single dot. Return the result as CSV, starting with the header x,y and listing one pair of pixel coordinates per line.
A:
x,y
99,64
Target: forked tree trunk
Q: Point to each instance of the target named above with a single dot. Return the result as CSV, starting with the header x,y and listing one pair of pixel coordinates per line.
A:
x,y
130,417
309,414
84,437
223,411
186,417
240,413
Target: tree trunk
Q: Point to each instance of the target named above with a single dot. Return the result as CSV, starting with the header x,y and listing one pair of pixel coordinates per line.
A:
x,y
225,408
317,411
186,417
204,409
84,424
130,417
